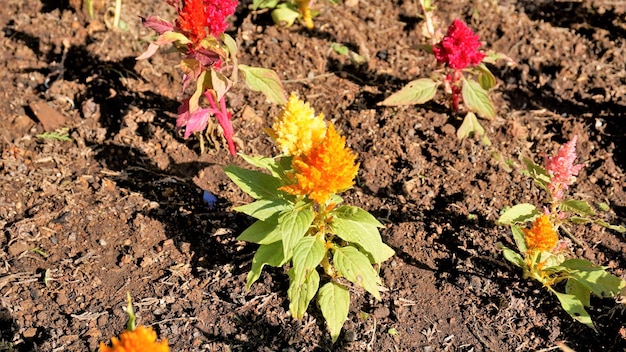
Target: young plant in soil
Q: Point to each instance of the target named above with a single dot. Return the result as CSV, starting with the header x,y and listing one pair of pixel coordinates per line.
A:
x,y
301,221
545,258
208,54
285,13
135,338
463,76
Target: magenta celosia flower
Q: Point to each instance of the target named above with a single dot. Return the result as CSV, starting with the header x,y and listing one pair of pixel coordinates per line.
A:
x,y
216,12
459,48
562,169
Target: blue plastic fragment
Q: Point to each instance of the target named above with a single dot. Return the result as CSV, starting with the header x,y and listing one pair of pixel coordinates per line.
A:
x,y
209,199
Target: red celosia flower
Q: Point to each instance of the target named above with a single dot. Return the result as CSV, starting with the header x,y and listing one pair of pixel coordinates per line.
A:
x,y
216,13
192,20
562,169
459,48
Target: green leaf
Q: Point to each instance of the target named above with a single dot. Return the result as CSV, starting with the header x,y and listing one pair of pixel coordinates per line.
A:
x,y
486,79
519,237
353,224
518,214
603,206
255,183
618,228
264,4
477,99
418,91
265,81
339,48
262,209
293,225
275,166
579,290
285,15
575,308
537,173
270,254
513,257
471,126
579,220
262,231
301,291
334,302
594,277
579,207
307,255
356,267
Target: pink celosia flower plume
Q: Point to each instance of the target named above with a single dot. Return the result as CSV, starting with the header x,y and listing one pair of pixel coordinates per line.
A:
x,y
562,169
459,48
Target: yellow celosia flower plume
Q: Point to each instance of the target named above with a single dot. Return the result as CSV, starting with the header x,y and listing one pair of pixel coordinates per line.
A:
x,y
142,339
296,130
327,169
541,236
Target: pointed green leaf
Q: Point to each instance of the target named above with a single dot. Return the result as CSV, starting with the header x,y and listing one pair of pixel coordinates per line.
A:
x,y
477,99
579,220
518,214
255,183
334,302
537,173
579,207
262,231
575,308
486,79
293,225
262,209
307,255
594,277
231,46
418,91
275,166
265,81
471,126
513,257
618,228
356,225
519,237
301,291
579,290
356,267
270,254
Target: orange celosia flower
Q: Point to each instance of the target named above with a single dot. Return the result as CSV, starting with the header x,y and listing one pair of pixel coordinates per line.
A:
x,y
192,20
328,168
296,130
142,339
541,236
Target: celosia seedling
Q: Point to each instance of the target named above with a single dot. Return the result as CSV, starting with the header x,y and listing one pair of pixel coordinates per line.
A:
x,y
287,12
542,255
463,75
208,54
301,220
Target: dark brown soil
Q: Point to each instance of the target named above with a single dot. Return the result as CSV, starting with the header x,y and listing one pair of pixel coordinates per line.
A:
x,y
119,207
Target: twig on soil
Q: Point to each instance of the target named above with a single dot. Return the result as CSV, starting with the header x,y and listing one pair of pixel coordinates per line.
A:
x,y
369,344
88,316
173,319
